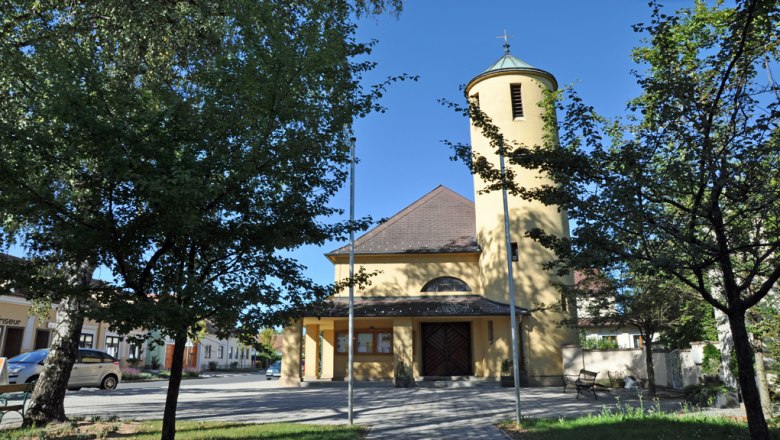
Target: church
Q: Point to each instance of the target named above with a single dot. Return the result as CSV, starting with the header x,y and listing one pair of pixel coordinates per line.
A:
x,y
439,306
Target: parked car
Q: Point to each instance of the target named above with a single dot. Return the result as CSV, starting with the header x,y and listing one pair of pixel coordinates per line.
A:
x,y
274,371
93,368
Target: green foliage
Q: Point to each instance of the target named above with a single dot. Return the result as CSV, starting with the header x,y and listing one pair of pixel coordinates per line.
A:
x,y
711,361
634,424
212,366
189,430
186,146
597,343
154,363
506,367
704,394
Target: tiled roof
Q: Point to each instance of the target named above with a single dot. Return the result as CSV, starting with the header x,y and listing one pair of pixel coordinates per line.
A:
x,y
441,221
455,305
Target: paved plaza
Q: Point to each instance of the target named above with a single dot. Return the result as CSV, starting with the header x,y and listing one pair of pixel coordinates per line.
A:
x,y
389,413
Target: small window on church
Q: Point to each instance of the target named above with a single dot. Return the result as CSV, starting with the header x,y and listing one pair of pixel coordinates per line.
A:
x,y
446,284
517,101
513,248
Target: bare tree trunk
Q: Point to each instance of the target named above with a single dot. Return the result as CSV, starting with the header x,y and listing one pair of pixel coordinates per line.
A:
x,y
171,400
747,378
650,366
47,403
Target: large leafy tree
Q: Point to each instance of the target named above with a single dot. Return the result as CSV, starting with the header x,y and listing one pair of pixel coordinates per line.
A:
x,y
182,145
685,183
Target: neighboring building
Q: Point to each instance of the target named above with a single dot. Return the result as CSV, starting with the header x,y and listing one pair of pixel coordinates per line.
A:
x,y
623,336
21,331
440,304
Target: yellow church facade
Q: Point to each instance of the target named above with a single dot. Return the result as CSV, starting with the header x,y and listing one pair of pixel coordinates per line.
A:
x,y
439,306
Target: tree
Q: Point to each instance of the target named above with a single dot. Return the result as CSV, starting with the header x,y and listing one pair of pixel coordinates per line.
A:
x,y
182,145
683,184
651,304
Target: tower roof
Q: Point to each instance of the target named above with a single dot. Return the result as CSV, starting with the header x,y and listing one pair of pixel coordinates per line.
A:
x,y
511,64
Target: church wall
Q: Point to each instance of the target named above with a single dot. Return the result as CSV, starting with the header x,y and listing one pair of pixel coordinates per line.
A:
x,y
405,275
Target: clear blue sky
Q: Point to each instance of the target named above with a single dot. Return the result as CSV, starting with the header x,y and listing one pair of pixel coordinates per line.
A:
x,y
446,43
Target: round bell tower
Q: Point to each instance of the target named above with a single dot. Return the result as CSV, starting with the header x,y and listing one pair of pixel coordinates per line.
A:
x,y
509,93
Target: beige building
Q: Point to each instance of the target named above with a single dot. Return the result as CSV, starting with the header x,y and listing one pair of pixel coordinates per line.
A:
x,y
440,304
22,331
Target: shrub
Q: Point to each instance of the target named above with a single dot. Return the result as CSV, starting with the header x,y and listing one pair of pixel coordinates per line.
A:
x,y
135,374
191,372
506,367
155,363
710,365
705,393
234,365
212,366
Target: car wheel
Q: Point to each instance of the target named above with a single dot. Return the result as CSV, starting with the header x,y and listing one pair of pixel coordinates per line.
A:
x,y
109,382
31,379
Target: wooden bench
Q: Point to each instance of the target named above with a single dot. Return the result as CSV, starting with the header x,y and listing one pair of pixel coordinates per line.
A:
x,y
586,381
14,393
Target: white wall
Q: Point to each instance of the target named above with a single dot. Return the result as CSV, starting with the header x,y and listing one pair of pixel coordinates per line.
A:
x,y
629,362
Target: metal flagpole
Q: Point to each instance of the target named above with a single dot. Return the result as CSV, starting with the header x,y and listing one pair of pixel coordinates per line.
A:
x,y
351,275
513,317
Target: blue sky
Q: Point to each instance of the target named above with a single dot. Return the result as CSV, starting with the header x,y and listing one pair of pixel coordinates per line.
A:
x,y
447,43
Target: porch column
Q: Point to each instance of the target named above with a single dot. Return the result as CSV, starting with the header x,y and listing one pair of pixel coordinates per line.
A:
x,y
291,355
328,344
403,342
312,351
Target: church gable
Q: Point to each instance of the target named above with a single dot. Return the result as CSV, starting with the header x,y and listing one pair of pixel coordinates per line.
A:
x,y
442,221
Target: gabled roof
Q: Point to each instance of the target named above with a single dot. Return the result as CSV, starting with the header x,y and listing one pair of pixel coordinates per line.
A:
x,y
442,221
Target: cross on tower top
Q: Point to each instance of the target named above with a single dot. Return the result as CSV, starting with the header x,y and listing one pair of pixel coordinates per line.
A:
x,y
506,42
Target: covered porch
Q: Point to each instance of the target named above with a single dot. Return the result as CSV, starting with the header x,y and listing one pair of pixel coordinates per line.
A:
x,y
459,335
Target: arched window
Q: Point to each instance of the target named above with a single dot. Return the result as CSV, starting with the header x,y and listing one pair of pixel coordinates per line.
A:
x,y
446,284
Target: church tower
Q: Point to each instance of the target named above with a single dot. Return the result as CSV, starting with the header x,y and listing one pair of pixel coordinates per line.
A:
x,y
509,93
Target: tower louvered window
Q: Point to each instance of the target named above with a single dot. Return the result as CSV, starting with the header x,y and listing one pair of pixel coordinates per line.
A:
x,y
517,101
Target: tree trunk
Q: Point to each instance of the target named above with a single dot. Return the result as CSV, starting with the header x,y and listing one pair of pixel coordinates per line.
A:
x,y
747,377
761,381
177,363
650,366
47,402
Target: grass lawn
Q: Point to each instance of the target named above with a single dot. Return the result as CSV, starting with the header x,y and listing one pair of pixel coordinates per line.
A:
x,y
185,430
633,427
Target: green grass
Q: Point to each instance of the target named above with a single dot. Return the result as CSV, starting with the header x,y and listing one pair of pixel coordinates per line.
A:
x,y
186,430
633,425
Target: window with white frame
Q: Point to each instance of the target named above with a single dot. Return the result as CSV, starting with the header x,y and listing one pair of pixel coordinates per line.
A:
x,y
112,345
221,352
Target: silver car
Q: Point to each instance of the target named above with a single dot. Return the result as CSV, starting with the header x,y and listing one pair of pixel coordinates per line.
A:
x,y
93,368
